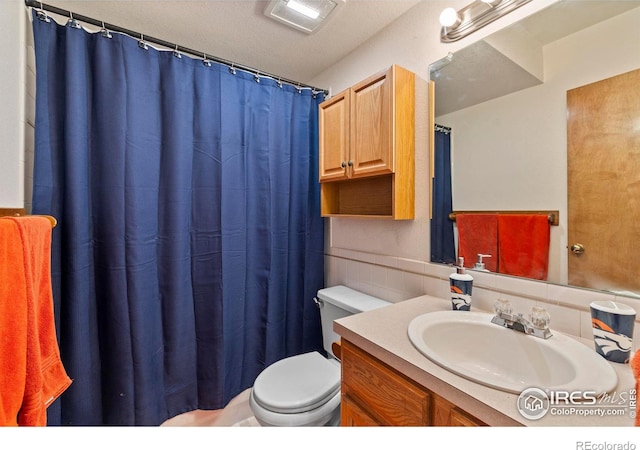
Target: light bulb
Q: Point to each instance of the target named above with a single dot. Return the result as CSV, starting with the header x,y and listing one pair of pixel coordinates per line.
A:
x,y
449,18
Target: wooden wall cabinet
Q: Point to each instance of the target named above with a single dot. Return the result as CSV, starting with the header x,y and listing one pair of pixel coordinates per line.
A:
x,y
374,394
367,148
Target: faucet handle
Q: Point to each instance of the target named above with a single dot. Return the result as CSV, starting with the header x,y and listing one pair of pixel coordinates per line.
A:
x,y
539,317
502,306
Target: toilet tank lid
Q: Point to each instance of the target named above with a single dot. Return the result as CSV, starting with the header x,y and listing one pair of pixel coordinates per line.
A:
x,y
350,299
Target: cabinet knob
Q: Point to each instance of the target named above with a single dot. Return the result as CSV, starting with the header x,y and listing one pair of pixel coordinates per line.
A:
x,y
350,163
343,165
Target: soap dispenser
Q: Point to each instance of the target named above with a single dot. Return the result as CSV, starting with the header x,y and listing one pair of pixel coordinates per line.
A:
x,y
480,264
461,284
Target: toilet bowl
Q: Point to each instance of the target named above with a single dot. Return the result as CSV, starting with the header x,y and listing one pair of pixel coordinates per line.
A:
x,y
304,390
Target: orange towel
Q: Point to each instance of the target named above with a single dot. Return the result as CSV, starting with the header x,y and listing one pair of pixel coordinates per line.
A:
x,y
13,325
28,328
523,245
478,234
635,367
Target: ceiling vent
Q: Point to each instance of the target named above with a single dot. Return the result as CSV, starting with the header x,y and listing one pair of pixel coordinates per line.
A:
x,y
303,15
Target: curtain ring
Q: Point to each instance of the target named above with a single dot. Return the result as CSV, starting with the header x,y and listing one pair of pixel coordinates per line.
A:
x,y
279,83
256,77
232,69
73,23
205,60
41,15
141,43
176,53
299,89
105,33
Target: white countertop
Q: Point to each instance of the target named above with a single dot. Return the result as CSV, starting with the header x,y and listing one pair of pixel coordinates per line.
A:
x,y
383,333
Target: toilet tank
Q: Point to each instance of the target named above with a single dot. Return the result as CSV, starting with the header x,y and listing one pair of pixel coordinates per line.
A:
x,y
340,301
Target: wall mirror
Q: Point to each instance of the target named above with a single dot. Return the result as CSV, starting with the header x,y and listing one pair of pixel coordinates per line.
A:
x,y
505,98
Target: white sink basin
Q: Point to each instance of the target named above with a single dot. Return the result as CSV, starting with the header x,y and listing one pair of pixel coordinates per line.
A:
x,y
468,344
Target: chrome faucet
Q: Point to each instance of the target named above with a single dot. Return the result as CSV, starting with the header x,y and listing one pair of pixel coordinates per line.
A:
x,y
537,325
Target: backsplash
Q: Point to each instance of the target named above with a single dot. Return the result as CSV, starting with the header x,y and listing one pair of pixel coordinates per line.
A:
x,y
395,279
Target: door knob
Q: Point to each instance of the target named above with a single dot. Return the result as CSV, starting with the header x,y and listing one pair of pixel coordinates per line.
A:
x,y
577,249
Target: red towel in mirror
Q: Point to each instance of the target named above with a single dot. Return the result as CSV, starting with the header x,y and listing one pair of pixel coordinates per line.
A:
x,y
478,233
523,245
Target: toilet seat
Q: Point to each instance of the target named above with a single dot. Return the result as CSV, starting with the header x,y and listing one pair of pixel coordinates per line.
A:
x,y
299,390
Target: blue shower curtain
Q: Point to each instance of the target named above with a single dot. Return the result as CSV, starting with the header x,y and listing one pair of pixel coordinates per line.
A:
x,y
190,243
442,236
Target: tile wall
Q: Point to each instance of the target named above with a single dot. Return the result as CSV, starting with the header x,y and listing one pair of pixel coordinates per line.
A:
x,y
395,279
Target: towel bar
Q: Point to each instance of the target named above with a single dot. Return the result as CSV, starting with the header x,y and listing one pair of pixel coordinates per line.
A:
x,y
553,216
21,212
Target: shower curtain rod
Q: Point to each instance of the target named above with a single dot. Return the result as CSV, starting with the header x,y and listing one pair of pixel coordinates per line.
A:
x,y
143,37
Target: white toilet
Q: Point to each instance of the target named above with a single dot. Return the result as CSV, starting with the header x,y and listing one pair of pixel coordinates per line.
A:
x,y
304,390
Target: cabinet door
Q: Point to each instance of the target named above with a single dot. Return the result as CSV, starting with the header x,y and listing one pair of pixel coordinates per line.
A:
x,y
334,137
352,416
461,419
372,146
446,414
381,393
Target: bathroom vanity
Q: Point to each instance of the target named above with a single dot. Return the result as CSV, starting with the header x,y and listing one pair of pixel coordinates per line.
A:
x,y
387,381
374,394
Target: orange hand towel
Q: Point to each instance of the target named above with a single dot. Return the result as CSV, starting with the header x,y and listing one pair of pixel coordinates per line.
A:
x,y
478,234
523,245
45,377
635,367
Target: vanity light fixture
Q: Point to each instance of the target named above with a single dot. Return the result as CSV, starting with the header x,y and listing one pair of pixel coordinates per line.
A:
x,y
458,24
303,15
450,18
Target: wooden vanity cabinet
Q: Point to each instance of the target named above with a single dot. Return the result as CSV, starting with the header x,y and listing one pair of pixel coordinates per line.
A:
x,y
446,414
367,146
374,394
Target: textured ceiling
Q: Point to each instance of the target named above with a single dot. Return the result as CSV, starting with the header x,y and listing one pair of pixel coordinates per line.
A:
x,y
238,30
